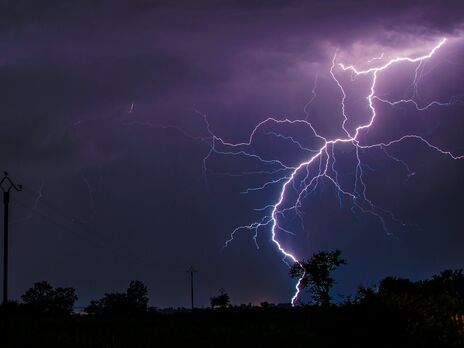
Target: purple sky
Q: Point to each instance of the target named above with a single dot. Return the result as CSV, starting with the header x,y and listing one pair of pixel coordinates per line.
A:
x,y
110,196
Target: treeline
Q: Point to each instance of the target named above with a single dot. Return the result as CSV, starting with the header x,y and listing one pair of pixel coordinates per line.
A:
x,y
44,299
414,313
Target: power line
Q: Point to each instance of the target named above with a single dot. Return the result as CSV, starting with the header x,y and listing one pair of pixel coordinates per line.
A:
x,y
87,234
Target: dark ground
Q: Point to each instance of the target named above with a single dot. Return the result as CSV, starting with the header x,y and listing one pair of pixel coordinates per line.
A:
x,y
345,326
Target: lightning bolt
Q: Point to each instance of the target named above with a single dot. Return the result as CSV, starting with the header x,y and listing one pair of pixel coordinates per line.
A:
x,y
320,162
301,178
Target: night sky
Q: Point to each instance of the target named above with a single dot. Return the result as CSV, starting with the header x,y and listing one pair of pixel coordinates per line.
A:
x,y
102,121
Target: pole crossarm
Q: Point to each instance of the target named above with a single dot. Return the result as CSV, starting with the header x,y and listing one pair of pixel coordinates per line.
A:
x,y
6,184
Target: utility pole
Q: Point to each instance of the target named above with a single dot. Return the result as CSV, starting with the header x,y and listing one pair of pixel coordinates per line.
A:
x,y
6,184
191,270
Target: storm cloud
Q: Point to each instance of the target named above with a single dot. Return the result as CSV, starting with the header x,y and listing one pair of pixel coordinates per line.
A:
x,y
111,195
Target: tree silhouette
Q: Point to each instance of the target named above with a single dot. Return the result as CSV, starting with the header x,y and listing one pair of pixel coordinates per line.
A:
x,y
43,298
315,274
220,301
432,309
398,286
133,302
137,295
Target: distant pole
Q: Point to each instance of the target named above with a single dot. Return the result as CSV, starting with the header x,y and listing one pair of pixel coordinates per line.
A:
x,y
6,184
191,270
